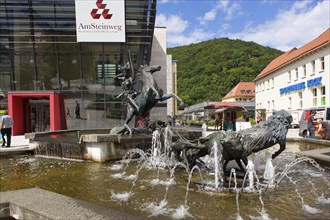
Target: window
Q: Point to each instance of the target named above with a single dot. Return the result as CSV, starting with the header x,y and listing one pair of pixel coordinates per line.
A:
x,y
248,91
300,100
314,91
304,71
296,73
323,96
290,103
313,67
272,83
243,92
273,104
322,63
289,80
268,105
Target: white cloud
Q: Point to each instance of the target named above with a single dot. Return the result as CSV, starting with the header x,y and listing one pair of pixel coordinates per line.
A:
x,y
229,8
208,16
175,28
292,28
173,23
195,36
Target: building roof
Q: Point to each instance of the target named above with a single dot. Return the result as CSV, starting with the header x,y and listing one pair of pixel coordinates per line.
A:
x,y
240,90
295,54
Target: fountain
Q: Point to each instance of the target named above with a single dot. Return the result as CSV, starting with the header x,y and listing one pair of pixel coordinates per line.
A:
x,y
153,184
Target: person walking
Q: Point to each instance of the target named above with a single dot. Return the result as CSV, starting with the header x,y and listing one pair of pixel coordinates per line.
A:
x,y
77,111
6,122
310,125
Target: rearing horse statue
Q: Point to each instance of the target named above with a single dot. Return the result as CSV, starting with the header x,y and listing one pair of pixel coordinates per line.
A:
x,y
148,95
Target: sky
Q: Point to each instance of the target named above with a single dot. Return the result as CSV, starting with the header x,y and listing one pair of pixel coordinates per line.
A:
x,y
279,24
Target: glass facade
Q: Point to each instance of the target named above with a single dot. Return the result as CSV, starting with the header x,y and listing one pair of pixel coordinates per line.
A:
x,y
39,52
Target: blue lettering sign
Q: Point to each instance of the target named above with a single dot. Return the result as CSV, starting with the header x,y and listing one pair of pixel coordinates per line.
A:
x,y
314,82
295,87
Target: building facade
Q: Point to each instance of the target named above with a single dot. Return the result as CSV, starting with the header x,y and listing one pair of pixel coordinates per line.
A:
x,y
296,80
39,54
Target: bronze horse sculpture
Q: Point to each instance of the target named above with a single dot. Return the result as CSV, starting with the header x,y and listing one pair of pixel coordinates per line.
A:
x,y
143,94
238,145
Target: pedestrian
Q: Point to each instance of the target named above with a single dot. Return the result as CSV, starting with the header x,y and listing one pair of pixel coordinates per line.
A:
x,y
77,111
6,122
68,114
310,125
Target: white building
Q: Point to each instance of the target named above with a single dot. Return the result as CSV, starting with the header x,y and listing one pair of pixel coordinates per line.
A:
x,y
296,80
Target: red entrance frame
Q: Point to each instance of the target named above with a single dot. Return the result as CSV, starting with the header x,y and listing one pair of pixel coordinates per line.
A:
x,y
16,102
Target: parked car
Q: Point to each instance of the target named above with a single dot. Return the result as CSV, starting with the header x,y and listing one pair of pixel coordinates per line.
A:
x,y
321,113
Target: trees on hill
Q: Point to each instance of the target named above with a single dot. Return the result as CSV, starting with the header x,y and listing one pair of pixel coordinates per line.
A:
x,y
208,70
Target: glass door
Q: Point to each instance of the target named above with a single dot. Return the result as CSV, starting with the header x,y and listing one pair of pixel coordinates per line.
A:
x,y
40,119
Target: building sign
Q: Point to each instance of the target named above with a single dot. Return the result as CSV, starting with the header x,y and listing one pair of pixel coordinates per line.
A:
x,y
100,20
300,86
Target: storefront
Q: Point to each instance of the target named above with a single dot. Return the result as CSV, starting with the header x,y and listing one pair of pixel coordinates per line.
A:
x,y
40,53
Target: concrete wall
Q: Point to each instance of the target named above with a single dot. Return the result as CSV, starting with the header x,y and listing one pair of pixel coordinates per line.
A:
x,y
158,57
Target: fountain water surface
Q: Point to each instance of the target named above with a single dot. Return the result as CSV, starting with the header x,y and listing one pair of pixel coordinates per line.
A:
x,y
154,185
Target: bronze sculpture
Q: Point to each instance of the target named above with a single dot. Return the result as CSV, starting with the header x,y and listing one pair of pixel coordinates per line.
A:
x,y
238,145
141,92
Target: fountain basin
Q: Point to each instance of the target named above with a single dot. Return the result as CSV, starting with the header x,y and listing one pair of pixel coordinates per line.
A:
x,y
94,145
41,204
102,183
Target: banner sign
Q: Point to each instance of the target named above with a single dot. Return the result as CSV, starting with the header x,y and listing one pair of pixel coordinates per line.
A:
x,y
100,20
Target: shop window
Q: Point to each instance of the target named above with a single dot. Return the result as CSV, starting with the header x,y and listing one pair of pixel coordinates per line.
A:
x,y
323,102
107,75
314,91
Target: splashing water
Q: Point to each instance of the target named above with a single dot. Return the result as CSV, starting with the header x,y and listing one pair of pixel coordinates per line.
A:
x,y
181,213
120,196
158,158
269,172
311,210
116,167
158,209
323,200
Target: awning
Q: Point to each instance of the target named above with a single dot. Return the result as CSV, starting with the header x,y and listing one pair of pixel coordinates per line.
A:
x,y
220,110
235,108
216,105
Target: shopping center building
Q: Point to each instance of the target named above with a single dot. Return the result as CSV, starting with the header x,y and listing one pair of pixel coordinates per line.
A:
x,y
59,72
297,80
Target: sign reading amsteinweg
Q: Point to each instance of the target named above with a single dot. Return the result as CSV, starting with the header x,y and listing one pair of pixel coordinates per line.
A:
x,y
100,20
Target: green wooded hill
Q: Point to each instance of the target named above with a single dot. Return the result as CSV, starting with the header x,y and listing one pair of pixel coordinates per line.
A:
x,y
208,70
